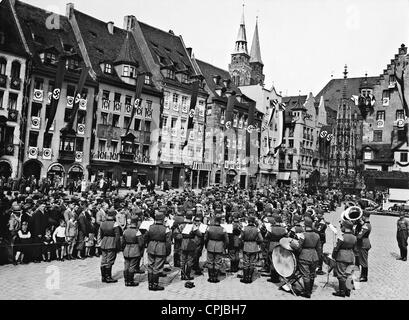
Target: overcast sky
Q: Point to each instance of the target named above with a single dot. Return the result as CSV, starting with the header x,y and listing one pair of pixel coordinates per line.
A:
x,y
303,42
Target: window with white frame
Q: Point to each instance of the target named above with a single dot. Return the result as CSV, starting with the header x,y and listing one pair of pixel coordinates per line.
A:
x,y
368,155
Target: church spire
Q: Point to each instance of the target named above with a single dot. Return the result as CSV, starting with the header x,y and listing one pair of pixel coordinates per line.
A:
x,y
255,52
241,42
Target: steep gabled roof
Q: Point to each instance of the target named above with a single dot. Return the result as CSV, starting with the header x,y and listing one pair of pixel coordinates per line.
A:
x,y
295,102
105,47
255,52
167,49
13,43
38,34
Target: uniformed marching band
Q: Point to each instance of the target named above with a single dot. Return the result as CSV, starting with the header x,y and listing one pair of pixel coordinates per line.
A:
x,y
245,227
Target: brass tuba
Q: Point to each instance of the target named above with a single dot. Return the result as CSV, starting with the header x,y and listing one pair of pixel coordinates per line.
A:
x,y
352,214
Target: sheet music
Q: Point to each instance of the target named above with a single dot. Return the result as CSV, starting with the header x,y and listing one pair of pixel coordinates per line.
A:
x,y
228,228
268,226
187,229
203,228
145,225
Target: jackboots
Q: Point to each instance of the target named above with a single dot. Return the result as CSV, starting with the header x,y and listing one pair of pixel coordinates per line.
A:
x,y
245,276
156,285
342,289
150,281
274,277
129,279
364,275
306,293
108,277
103,274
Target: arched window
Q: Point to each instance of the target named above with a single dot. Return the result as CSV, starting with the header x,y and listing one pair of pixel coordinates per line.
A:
x,y
3,64
15,70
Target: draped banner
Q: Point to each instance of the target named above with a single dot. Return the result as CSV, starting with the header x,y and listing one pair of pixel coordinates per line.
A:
x,y
229,110
192,110
139,85
80,87
56,94
279,119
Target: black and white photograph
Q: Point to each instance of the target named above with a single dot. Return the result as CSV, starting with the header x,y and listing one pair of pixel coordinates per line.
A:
x,y
219,150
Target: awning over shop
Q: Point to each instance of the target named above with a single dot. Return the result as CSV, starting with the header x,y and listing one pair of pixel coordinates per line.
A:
x,y
202,166
283,176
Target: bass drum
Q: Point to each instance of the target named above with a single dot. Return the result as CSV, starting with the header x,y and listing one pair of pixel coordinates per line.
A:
x,y
284,262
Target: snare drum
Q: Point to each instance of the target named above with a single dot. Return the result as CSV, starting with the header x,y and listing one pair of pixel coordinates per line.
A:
x,y
284,262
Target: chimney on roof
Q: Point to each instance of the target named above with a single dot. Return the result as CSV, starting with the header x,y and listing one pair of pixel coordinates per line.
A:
x,y
110,26
189,51
171,32
129,23
69,10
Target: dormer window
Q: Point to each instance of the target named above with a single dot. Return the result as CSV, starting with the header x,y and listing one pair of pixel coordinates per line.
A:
x,y
170,74
108,68
68,47
48,58
184,78
368,155
72,64
392,81
148,79
129,71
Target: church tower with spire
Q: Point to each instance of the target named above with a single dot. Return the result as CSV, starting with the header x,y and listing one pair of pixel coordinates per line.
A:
x,y
239,68
257,65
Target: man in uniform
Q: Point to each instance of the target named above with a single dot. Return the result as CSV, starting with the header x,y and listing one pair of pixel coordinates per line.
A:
x,y
344,256
320,226
234,244
402,236
252,239
158,241
110,233
310,246
274,236
177,236
188,247
363,245
133,243
199,239
216,240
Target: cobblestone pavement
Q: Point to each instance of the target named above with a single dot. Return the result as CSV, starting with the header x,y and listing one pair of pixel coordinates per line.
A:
x,y
81,279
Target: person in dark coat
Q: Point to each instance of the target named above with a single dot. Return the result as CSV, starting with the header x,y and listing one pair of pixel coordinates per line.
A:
x,y
320,226
402,236
310,246
234,244
363,245
132,242
199,239
216,240
38,225
177,237
344,257
158,241
82,232
252,239
274,236
188,246
110,233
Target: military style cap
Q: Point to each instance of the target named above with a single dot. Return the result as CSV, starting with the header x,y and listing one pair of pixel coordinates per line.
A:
x,y
347,224
308,222
159,216
111,212
251,219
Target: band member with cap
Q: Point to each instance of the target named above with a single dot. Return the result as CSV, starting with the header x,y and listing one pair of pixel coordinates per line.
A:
x,y
188,246
234,244
158,241
320,226
402,235
363,245
110,233
344,257
133,243
216,240
252,239
177,236
199,239
274,236
310,246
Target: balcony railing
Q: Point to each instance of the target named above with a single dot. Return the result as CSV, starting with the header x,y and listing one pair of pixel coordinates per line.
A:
x,y
117,106
15,83
12,115
68,156
105,104
3,81
106,156
126,157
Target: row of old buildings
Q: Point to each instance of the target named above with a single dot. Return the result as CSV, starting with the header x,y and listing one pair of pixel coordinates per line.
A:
x,y
176,130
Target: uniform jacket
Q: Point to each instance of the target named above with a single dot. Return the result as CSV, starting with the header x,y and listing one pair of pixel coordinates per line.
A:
x,y
274,237
402,232
188,240
177,233
234,238
216,239
39,222
343,252
158,240
310,245
319,227
363,236
110,235
252,238
133,242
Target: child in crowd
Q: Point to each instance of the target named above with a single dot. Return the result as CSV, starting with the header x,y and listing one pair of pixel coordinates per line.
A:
x,y
24,241
48,244
59,240
71,235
